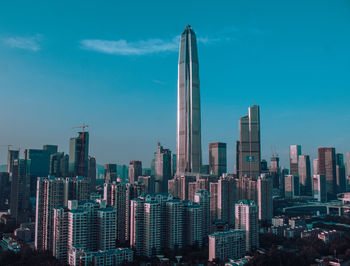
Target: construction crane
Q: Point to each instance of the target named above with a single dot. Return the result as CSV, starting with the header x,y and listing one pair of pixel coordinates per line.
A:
x,y
81,168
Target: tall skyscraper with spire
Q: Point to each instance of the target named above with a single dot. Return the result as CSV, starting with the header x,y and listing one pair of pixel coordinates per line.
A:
x,y
188,150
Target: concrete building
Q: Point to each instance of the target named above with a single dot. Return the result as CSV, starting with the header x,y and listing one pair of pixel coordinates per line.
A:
x,y
227,245
304,172
247,219
265,202
135,170
249,155
188,143
217,158
294,152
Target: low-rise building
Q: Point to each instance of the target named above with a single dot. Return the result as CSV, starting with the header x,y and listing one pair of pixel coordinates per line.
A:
x,y
230,244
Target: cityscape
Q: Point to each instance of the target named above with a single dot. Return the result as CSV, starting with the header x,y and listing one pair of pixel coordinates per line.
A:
x,y
192,205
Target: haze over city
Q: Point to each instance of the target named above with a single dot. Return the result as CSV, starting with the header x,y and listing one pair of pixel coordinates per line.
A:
x,y
115,68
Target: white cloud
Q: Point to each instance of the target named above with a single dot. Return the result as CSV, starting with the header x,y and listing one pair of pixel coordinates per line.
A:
x,y
123,47
26,43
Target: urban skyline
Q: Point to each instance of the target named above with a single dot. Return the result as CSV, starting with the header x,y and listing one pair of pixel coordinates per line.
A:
x,y
67,209
224,96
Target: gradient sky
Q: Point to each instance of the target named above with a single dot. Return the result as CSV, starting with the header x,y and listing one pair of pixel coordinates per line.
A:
x,y
113,65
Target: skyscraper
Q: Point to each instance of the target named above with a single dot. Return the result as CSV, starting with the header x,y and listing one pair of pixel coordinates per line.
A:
x,y
327,167
319,188
348,163
217,158
188,143
275,171
162,169
92,173
11,157
315,167
292,186
294,152
265,202
249,144
20,191
4,191
110,172
79,155
135,170
340,173
304,170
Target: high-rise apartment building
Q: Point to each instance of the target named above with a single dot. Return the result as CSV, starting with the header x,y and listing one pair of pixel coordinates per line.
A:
x,y
162,160
51,193
79,155
92,173
249,144
327,167
135,170
158,221
247,219
175,224
89,225
304,171
116,194
265,202
217,158
227,245
202,198
294,152
188,144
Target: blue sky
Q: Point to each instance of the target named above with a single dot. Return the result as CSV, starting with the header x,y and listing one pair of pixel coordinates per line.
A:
x,y
113,65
